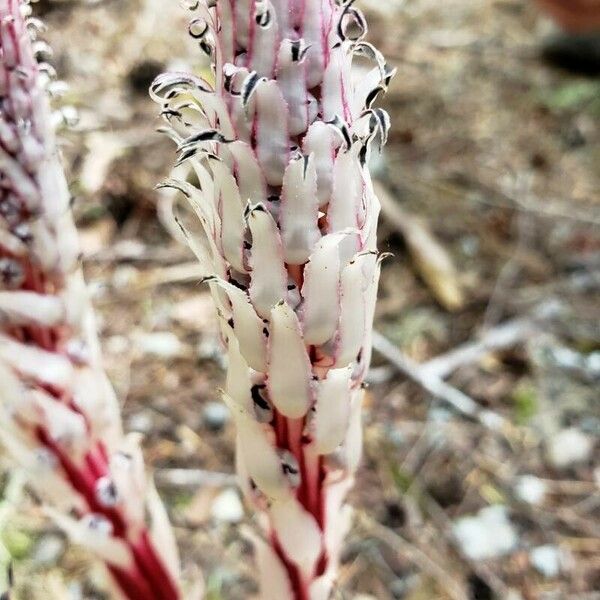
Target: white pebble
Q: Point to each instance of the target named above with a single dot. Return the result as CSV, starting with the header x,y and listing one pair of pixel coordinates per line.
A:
x,y
163,344
489,534
49,550
547,560
568,447
215,415
531,489
227,507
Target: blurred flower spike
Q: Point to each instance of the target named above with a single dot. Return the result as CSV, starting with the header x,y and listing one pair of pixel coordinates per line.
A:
x,y
59,418
274,162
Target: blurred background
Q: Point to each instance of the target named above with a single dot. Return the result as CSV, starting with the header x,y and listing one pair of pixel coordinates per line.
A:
x,y
481,474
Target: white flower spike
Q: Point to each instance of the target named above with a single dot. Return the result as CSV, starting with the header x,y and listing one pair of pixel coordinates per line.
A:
x,y
278,156
59,418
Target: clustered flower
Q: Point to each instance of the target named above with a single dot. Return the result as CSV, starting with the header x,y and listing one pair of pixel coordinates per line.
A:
x,y
59,418
275,153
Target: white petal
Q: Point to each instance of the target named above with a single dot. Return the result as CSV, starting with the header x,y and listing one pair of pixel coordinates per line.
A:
x,y
96,538
28,307
161,532
299,211
247,326
320,290
239,383
128,474
271,132
282,12
370,302
11,389
320,588
231,210
352,449
273,578
19,180
335,87
243,15
243,477
249,176
317,15
95,398
63,425
226,34
332,410
261,460
290,374
291,77
264,47
338,518
46,367
322,141
268,279
356,277
298,533
345,208
12,243
44,476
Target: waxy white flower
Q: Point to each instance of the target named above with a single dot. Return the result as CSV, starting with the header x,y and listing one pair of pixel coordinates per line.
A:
x,y
59,418
277,151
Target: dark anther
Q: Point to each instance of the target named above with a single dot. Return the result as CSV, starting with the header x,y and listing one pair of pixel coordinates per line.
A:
x,y
290,468
230,322
12,274
257,398
106,492
262,408
265,332
23,232
198,28
237,284
263,19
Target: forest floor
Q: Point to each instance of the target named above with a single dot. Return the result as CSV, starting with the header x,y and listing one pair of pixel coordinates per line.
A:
x,y
485,487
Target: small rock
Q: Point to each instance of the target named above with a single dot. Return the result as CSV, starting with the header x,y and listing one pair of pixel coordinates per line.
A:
x,y
141,422
547,560
215,415
227,507
124,276
489,534
531,489
568,447
163,344
48,550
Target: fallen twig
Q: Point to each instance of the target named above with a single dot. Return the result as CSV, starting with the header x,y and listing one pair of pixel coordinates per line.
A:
x,y
433,261
453,587
437,387
499,338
